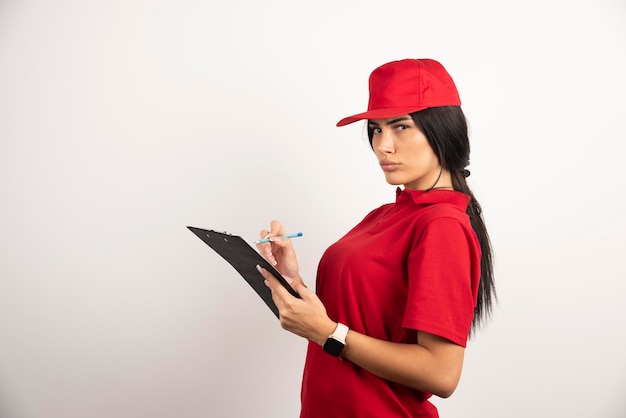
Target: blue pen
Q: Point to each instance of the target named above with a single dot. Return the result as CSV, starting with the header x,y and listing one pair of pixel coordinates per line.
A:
x,y
270,239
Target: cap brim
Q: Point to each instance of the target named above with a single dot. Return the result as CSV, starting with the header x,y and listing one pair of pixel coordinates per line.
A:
x,y
380,114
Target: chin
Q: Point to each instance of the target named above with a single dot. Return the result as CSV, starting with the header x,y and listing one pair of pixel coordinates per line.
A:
x,y
394,182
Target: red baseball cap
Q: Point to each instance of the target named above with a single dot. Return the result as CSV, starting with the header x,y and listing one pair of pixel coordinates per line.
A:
x,y
407,86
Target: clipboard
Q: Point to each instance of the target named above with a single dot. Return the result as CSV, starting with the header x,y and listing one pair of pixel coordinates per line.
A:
x,y
244,259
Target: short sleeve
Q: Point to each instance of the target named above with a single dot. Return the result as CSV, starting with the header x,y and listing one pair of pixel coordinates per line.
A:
x,y
441,286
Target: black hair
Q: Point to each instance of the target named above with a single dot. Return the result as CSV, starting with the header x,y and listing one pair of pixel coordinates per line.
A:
x,y
446,130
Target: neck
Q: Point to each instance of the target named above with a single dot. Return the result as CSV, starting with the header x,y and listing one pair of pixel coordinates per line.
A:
x,y
443,181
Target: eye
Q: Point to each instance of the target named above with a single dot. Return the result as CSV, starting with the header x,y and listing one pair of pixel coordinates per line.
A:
x,y
401,127
375,129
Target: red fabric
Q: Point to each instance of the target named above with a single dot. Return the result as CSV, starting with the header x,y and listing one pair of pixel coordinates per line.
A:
x,y
413,265
407,86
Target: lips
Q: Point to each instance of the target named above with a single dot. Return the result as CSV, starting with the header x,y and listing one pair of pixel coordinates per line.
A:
x,y
389,165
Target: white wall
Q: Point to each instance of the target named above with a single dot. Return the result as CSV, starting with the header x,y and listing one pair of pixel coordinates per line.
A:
x,y
122,122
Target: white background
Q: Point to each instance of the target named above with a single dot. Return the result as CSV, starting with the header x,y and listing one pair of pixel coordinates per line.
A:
x,y
122,122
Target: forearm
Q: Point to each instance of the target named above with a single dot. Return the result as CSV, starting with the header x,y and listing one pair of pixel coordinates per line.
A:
x,y
435,369
432,365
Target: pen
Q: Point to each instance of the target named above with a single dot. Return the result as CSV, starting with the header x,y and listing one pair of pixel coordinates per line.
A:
x,y
270,239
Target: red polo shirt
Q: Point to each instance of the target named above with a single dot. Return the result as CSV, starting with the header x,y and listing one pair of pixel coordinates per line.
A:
x,y
410,265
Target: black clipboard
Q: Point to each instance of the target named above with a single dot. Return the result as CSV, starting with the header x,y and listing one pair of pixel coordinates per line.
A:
x,y
244,259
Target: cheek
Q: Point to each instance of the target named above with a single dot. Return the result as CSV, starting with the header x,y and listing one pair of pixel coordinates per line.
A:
x,y
424,157
426,150
419,148
375,146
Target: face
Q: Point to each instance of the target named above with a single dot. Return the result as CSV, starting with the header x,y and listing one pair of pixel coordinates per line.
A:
x,y
405,155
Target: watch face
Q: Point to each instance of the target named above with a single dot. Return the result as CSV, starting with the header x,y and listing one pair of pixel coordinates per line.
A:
x,y
333,346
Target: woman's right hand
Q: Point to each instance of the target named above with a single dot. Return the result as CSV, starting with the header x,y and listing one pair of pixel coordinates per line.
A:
x,y
279,253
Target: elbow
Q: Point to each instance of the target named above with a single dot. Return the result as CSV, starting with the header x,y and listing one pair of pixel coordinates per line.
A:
x,y
442,386
445,386
445,392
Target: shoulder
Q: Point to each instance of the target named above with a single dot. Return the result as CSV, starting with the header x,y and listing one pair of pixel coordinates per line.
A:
x,y
442,213
446,225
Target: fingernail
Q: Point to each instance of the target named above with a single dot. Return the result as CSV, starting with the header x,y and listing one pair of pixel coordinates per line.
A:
x,y
266,283
289,279
259,269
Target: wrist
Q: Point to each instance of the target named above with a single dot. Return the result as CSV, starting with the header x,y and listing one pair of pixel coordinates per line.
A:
x,y
327,330
336,342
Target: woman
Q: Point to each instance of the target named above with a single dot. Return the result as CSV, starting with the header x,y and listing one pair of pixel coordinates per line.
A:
x,y
398,295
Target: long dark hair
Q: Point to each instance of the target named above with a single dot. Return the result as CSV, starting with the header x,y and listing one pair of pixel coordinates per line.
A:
x,y
446,130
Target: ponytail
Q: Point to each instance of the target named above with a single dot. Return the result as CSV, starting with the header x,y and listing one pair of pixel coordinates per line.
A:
x,y
446,130
486,286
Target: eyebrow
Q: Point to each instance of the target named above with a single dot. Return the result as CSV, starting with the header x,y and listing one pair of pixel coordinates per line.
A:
x,y
391,122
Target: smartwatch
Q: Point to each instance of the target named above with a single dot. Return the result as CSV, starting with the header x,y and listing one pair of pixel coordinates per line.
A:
x,y
337,340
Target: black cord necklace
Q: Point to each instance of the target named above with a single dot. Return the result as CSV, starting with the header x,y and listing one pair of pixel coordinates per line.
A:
x,y
437,181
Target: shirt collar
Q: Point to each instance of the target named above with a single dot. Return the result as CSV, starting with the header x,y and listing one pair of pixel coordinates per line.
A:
x,y
430,197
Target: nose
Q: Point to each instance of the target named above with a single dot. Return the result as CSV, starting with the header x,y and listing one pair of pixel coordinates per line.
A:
x,y
385,145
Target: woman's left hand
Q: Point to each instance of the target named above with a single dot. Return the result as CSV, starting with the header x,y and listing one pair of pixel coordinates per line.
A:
x,y
305,317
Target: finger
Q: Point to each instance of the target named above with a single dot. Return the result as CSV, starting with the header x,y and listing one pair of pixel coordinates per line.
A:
x,y
272,282
276,229
269,278
300,288
266,252
265,249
